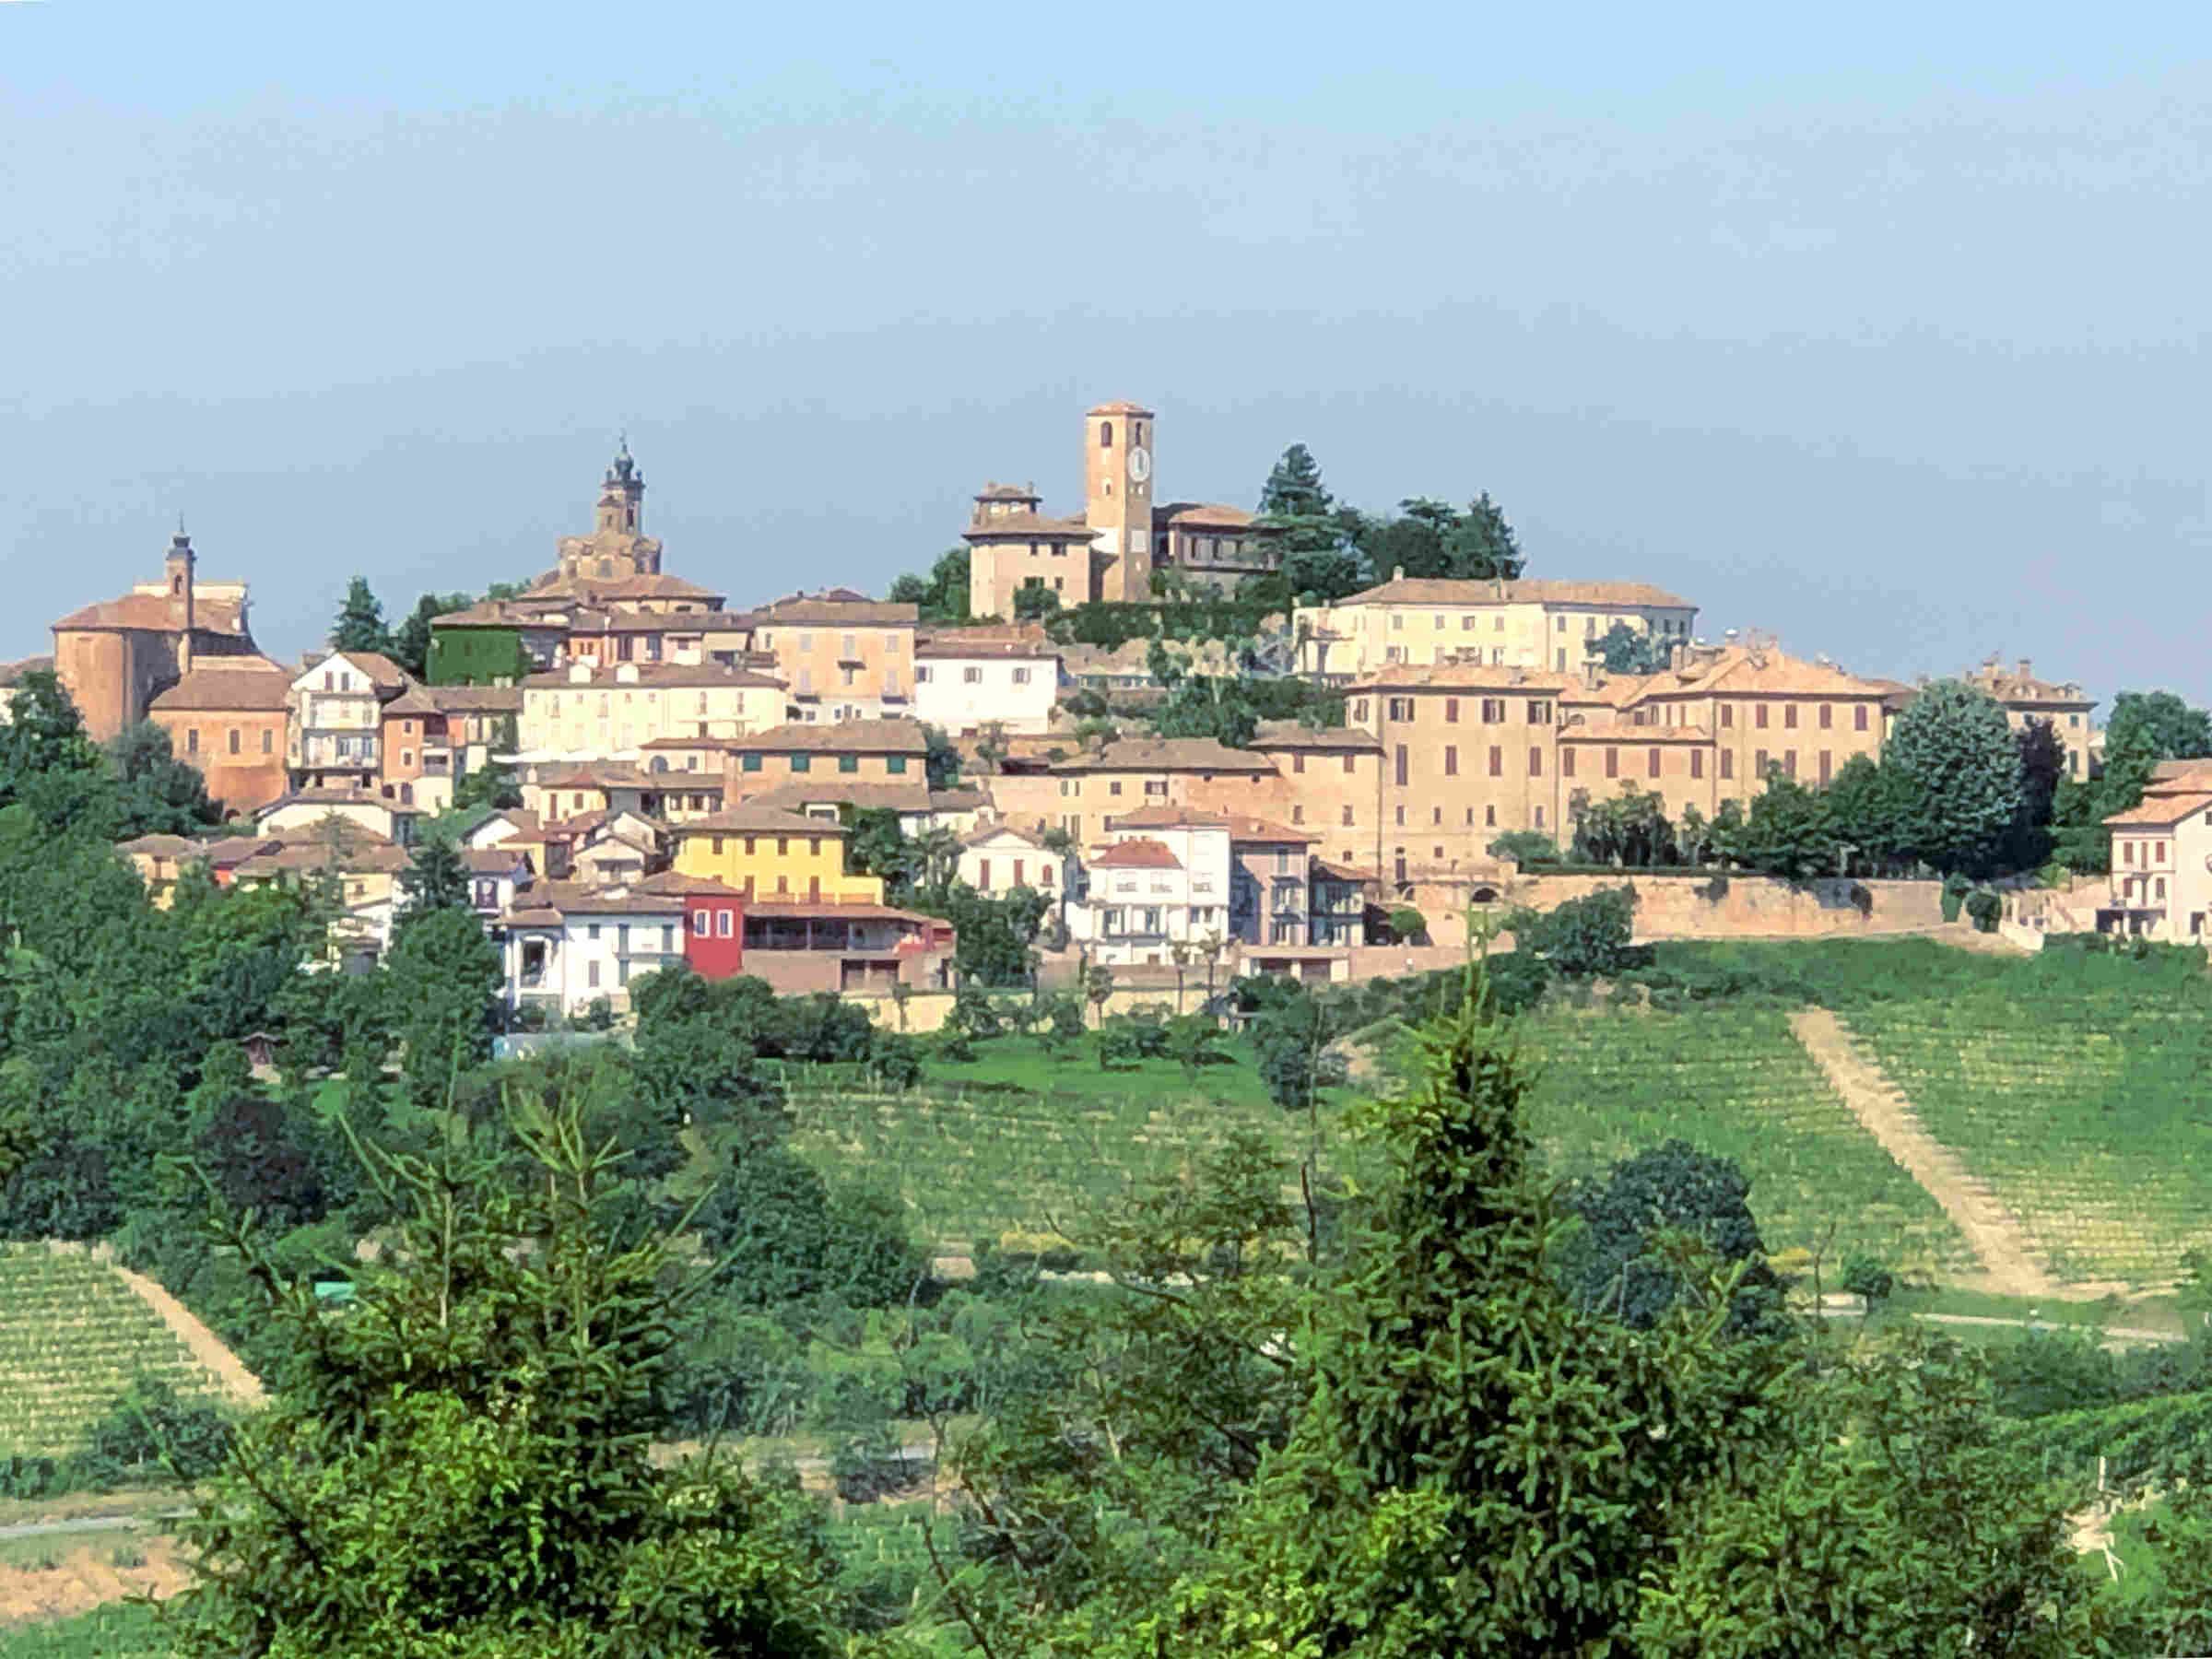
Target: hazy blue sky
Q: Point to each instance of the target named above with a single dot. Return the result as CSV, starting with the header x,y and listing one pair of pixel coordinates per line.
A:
x,y
1881,328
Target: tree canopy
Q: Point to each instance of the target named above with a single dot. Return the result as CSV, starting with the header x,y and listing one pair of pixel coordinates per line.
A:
x,y
360,624
1954,753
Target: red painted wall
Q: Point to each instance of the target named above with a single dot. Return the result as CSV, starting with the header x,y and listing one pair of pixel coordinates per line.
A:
x,y
715,953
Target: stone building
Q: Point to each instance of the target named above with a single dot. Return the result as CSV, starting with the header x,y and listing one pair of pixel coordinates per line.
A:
x,y
2026,698
112,657
230,720
618,546
1537,624
1110,550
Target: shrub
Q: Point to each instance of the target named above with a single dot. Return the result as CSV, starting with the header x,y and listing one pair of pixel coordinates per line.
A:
x,y
1983,908
1525,847
1955,889
1864,1275
1583,937
1408,926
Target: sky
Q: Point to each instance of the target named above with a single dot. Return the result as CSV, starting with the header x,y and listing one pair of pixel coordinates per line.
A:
x,y
1881,329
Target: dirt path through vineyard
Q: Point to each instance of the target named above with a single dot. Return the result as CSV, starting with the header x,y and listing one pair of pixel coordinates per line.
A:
x,y
1993,1234
240,1385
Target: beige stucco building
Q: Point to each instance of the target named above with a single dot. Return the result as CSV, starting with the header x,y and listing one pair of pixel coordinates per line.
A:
x,y
1536,624
841,655
2161,861
2026,698
586,712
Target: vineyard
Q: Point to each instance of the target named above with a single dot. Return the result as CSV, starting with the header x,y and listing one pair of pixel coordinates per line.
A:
x,y
115,1632
2089,1115
73,1337
975,1162
1733,1081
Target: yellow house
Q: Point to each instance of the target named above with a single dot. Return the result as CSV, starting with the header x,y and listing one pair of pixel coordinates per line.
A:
x,y
765,852
1547,625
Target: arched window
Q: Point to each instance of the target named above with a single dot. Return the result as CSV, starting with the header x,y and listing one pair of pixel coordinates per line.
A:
x,y
1105,434
606,567
176,584
1137,434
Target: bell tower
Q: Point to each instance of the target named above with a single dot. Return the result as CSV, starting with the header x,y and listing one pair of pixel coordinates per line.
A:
x,y
1117,496
617,548
621,495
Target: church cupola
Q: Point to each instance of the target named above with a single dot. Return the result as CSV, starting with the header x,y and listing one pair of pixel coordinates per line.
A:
x,y
622,495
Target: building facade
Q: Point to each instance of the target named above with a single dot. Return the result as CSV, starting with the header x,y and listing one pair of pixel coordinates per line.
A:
x,y
963,685
2024,699
1549,626
232,723
590,712
766,853
840,655
334,737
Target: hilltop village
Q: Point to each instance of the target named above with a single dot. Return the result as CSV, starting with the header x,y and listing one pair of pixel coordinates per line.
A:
x,y
1178,733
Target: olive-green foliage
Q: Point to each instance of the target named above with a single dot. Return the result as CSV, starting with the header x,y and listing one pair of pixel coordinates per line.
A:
x,y
442,977
461,1464
1961,771
1581,937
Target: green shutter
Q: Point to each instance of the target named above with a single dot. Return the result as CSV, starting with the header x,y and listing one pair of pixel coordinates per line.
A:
x,y
848,763
752,763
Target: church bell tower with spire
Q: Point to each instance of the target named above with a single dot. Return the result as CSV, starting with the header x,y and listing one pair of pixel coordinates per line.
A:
x,y
617,548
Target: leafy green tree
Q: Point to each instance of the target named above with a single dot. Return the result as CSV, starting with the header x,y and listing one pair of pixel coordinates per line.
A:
x,y
436,879
942,758
1288,1039
1630,651
360,625
779,1235
942,593
442,976
2042,765
1954,749
474,1444
1788,832
1631,830
2166,726
1478,1467
156,793
1033,601
1623,1268
1870,810
1525,847
1583,937
492,784
410,641
1208,706
49,763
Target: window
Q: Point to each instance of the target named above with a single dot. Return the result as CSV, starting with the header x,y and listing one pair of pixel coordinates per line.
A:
x,y
1789,717
1727,714
813,846
268,745
748,846
1697,763
1450,711
1105,434
1536,762
1539,711
848,763
1566,763
1402,766
750,763
982,875
1401,817
801,763
1347,766
1397,623
972,676
1727,763
192,741
752,844
1493,710
1114,788
1359,712
1347,817
1401,708
1157,786
700,923
1828,715
234,740
1298,813
1497,761
1021,676
1651,764
1540,817
1612,762
2128,853
1758,765
2160,850
1451,761
591,972
723,922
1298,763
1789,763
1759,717
1489,821
1858,718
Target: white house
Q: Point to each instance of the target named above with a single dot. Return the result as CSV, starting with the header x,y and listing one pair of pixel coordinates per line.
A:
x,y
568,947
963,685
305,809
1144,892
2161,863
996,859
335,706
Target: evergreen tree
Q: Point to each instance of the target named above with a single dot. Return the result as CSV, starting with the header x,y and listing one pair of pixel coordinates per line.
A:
x,y
1628,650
156,794
1954,749
410,642
464,1463
1294,490
436,879
1481,545
1480,1467
361,621
441,977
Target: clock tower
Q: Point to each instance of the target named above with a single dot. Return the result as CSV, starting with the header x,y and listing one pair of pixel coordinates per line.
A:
x,y
1117,497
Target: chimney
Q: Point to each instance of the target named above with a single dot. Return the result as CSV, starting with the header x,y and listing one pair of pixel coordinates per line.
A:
x,y
2026,669
1676,653
1591,672
1397,572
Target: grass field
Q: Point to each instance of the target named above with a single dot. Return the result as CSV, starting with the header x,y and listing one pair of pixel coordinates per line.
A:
x,y
117,1632
73,1337
1734,1082
1020,1141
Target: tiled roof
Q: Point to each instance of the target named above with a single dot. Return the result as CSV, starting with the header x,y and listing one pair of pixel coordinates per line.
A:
x,y
376,858
333,798
552,585
1754,671
2161,810
1166,754
894,794
981,649
1207,516
492,861
590,774
1026,526
12,673
958,800
259,691
1006,492
1290,734
835,609
986,833
1337,871
2015,688
1118,408
548,904
1439,590
756,817
1241,827
840,737
1466,677
832,910
150,613
1139,854
158,846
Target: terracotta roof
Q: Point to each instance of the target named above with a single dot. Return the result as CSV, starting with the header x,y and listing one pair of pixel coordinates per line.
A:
x,y
952,645
834,609
830,907
589,775
259,691
383,672
1441,590
958,800
1208,515
1749,670
681,885
1337,871
552,585
492,861
1290,734
12,673
331,797
756,817
983,832
1464,676
2162,809
840,738
150,613
1241,827
647,675
548,904
1118,408
1026,526
376,858
1006,492
2015,688
1166,754
158,846
544,613
2182,777
1139,854
894,794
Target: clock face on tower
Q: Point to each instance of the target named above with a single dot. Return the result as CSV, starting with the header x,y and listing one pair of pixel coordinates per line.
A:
x,y
1140,464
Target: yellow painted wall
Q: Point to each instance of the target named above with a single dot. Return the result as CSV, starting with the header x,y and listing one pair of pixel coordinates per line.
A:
x,y
771,866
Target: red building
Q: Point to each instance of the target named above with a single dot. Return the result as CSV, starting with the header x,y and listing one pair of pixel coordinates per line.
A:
x,y
714,931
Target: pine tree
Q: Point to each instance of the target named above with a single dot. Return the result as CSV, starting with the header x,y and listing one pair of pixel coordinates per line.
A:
x,y
436,879
360,621
1294,489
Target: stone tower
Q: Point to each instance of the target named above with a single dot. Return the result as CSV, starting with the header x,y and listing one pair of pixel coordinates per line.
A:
x,y
615,548
178,577
1117,497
